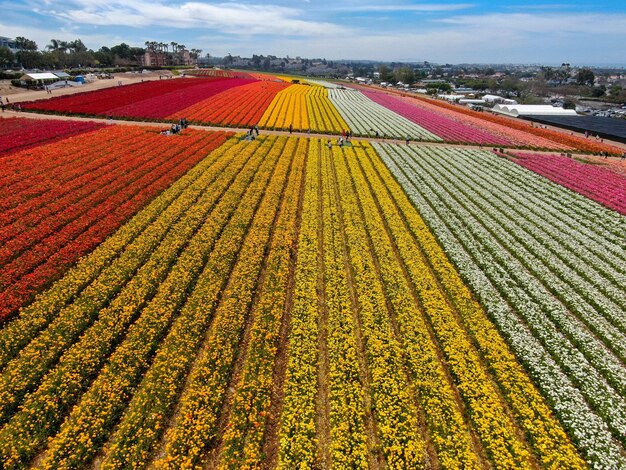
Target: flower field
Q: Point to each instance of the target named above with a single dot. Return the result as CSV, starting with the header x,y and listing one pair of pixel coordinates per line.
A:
x,y
548,266
60,200
594,181
303,107
280,304
368,118
19,134
153,100
533,136
446,128
241,106
204,300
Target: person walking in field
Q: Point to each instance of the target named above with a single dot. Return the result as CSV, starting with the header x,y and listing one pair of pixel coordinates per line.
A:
x,y
290,128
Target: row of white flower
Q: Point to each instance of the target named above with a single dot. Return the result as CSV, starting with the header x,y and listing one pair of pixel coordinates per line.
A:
x,y
365,117
562,356
594,228
558,270
323,83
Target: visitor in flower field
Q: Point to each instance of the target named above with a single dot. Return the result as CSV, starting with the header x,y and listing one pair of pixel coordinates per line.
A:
x,y
290,128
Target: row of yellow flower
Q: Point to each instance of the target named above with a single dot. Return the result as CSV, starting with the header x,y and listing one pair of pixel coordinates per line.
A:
x,y
546,437
395,409
298,443
44,409
323,115
485,409
442,413
243,440
348,432
159,215
146,415
108,395
202,400
303,108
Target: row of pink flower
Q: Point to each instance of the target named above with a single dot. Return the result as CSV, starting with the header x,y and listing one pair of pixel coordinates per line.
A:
x,y
611,164
593,181
515,136
19,134
448,129
159,107
519,138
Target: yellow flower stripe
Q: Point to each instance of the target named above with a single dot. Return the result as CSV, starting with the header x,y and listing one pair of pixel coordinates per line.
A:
x,y
395,411
146,414
242,441
287,108
443,416
549,442
203,397
132,243
42,411
303,107
348,446
297,435
484,406
323,115
109,393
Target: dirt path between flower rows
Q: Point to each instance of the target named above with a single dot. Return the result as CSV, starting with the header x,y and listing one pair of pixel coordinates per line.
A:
x,y
326,137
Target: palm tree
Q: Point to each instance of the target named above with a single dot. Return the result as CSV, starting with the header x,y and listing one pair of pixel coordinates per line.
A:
x,y
54,45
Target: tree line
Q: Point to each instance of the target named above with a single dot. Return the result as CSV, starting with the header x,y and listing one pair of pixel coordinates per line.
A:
x,y
60,54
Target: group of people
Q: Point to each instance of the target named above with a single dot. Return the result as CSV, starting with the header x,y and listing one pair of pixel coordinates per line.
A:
x,y
254,130
176,128
7,104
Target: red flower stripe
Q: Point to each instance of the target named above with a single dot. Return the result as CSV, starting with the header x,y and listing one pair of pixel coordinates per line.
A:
x,y
88,163
53,254
99,102
18,134
242,106
593,181
95,189
159,107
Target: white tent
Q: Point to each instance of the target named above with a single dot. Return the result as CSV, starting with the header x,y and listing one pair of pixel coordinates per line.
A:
x,y
41,76
517,110
471,101
451,97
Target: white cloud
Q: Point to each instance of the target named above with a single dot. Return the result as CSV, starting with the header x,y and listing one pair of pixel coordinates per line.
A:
x,y
504,38
232,18
422,7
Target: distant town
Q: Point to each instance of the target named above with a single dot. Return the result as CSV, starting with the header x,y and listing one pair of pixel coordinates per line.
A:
x,y
588,90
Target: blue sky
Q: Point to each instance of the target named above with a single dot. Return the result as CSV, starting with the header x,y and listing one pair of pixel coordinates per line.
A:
x,y
578,32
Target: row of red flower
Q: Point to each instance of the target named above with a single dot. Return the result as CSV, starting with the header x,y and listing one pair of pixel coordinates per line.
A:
x,y
19,134
134,164
159,107
242,106
102,101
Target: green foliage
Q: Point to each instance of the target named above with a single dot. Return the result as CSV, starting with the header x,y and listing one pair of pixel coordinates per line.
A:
x,y
6,57
585,76
404,75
